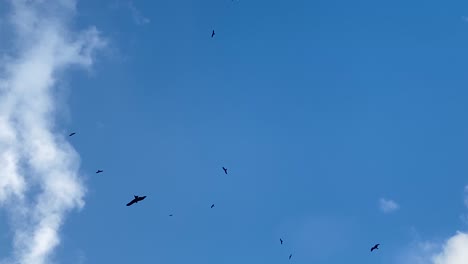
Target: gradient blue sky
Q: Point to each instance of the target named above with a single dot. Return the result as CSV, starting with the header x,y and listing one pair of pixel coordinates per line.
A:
x,y
319,109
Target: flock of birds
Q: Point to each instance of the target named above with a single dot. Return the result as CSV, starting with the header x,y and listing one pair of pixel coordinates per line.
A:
x,y
137,198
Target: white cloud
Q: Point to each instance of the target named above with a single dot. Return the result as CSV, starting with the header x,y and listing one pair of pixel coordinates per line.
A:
x,y
454,251
39,181
388,206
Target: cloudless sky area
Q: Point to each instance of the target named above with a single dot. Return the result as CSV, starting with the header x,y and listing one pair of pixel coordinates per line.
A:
x,y
318,109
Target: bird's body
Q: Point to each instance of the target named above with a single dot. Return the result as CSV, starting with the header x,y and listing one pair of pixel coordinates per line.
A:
x,y
212,206
170,215
99,171
71,134
290,256
375,247
136,199
225,170
281,241
212,33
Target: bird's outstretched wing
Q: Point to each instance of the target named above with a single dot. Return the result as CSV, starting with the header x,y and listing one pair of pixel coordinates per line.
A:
x,y
131,202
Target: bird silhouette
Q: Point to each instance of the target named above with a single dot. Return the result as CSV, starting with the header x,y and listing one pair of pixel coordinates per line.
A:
x,y
136,199
225,170
212,205
99,171
375,247
170,215
281,241
71,134
290,256
212,33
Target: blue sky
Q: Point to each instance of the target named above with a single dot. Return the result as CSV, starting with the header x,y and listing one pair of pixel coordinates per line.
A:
x,y
322,111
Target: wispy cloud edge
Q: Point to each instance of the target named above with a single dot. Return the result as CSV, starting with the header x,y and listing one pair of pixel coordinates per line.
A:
x,y
388,206
39,180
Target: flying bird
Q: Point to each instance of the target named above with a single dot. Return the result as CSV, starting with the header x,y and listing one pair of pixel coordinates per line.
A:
x,y
72,134
170,215
281,241
375,247
212,33
99,171
136,199
225,170
212,205
290,256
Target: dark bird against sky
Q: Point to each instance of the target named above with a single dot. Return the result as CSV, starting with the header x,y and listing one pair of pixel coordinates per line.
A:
x,y
212,205
99,171
375,247
212,33
290,256
136,199
72,134
225,170
281,241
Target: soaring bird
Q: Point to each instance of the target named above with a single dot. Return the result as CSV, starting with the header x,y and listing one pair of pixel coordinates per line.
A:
x,y
170,215
225,170
136,199
212,205
375,247
290,256
281,241
99,171
73,133
212,33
